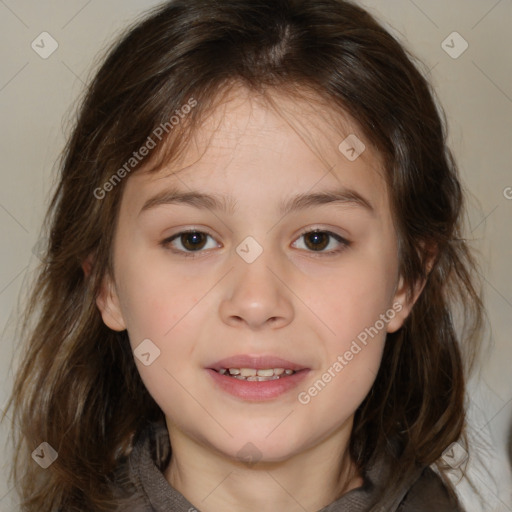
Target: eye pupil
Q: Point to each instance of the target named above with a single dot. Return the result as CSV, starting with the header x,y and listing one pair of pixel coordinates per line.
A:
x,y
319,240
193,240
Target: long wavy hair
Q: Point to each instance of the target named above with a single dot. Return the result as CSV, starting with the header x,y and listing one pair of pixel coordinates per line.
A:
x,y
77,386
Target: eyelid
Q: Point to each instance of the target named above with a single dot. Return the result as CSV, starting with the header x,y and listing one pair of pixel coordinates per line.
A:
x,y
321,229
167,241
340,239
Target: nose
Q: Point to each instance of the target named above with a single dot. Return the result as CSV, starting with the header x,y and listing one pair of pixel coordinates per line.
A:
x,y
256,296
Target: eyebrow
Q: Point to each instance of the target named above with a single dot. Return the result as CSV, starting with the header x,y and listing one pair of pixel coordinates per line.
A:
x,y
227,204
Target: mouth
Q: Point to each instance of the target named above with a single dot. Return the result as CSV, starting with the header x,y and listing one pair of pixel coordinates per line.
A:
x,y
255,375
256,378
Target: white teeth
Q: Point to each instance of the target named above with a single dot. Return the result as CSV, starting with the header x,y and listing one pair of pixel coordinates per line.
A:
x,y
266,373
257,378
248,372
254,375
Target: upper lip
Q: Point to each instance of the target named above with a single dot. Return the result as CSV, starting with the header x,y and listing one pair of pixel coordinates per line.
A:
x,y
261,362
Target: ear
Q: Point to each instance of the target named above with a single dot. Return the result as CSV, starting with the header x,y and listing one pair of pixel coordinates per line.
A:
x,y
402,303
108,304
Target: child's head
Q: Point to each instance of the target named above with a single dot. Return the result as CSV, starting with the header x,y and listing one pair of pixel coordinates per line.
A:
x,y
303,152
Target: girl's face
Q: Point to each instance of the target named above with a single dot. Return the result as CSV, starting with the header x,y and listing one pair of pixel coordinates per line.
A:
x,y
252,283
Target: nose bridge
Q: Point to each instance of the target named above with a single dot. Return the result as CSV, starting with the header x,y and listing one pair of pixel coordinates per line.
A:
x,y
255,295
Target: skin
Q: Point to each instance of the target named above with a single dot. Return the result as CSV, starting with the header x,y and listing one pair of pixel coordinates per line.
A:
x,y
292,302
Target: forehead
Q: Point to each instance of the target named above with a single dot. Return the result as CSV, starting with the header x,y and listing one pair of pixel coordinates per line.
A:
x,y
251,141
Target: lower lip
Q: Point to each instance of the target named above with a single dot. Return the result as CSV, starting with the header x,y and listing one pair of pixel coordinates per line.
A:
x,y
258,390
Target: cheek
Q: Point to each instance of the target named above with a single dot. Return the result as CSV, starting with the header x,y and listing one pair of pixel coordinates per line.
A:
x,y
160,306
155,299
354,305
351,365
162,309
350,299
339,389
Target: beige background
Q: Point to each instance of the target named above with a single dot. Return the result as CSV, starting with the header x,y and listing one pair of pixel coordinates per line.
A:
x,y
37,98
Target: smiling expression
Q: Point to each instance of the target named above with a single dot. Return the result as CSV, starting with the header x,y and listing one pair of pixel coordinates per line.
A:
x,y
262,246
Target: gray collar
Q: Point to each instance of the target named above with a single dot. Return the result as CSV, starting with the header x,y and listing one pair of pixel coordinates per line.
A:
x,y
142,487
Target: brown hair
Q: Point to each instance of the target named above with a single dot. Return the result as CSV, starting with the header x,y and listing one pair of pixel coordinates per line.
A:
x,y
78,388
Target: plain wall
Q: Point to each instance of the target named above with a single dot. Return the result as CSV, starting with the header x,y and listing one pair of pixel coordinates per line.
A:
x,y
37,99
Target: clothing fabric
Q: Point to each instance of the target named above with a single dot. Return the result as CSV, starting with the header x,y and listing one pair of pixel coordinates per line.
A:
x,y
140,484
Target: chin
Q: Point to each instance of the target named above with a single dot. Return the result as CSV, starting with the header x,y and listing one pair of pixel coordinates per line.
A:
x,y
256,447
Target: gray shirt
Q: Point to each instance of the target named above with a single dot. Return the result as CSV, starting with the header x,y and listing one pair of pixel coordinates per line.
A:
x,y
140,484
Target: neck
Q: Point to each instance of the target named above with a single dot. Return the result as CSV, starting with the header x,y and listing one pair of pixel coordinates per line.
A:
x,y
309,480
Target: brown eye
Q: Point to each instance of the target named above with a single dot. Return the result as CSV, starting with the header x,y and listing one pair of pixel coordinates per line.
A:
x,y
316,240
193,241
189,242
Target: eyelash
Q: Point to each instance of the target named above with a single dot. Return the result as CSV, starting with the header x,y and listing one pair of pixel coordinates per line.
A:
x,y
194,254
